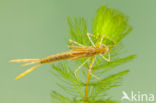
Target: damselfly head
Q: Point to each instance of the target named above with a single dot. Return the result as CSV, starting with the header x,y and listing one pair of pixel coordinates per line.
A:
x,y
104,49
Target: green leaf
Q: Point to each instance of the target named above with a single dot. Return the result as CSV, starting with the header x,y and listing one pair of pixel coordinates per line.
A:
x,y
69,84
112,23
58,98
107,83
78,30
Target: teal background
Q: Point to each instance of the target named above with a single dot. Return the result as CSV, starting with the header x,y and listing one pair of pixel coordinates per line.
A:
x,y
38,28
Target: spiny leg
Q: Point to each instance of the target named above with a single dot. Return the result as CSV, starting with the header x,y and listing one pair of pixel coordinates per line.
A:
x,y
72,41
88,34
102,39
80,68
90,69
94,75
111,39
105,36
91,35
107,59
115,43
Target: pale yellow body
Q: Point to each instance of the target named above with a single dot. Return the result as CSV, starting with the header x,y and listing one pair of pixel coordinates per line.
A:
x,y
75,53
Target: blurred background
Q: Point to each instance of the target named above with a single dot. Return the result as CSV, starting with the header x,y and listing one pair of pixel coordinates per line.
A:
x,y
38,28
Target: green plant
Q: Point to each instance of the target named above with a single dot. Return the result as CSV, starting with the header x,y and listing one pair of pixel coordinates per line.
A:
x,y
114,25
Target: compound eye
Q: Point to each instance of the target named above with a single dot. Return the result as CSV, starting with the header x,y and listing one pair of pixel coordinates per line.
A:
x,y
107,49
103,45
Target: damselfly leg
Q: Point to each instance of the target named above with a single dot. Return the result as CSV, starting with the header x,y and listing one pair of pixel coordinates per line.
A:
x,y
72,41
94,75
107,59
76,70
88,34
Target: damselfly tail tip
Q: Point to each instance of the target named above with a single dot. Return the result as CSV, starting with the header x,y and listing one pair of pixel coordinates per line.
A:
x,y
12,61
27,72
24,60
26,64
16,61
17,78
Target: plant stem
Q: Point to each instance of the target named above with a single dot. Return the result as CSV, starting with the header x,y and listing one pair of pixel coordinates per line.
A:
x,y
88,78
